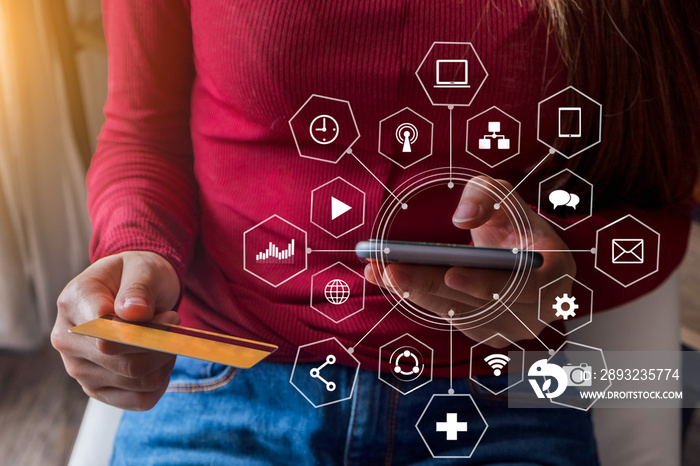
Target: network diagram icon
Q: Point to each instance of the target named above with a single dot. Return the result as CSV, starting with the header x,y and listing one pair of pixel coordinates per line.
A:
x,y
493,137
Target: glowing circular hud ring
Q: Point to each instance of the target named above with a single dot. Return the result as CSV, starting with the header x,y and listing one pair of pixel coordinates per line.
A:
x,y
515,212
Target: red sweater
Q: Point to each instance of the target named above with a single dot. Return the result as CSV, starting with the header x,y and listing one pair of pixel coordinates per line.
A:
x,y
197,149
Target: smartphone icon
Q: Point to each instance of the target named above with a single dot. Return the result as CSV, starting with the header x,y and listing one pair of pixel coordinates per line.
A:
x,y
569,122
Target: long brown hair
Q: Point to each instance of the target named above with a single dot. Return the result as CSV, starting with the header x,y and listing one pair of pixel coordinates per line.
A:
x,y
639,58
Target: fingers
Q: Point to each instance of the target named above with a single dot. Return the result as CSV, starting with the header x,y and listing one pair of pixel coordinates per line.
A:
x,y
420,280
483,284
145,287
476,206
137,376
138,286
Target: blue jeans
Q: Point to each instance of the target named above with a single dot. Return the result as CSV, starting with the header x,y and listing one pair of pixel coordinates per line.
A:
x,y
217,415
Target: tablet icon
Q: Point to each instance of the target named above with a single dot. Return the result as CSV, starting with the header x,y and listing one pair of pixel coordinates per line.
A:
x,y
569,122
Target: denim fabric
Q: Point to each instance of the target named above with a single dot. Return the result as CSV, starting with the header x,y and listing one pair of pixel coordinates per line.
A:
x,y
217,415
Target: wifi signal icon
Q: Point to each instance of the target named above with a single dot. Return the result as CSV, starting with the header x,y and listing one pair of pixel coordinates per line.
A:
x,y
497,362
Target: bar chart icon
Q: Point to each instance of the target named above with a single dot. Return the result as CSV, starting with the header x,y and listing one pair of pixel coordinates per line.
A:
x,y
275,255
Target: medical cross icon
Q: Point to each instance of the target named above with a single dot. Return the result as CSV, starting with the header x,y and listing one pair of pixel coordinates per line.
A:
x,y
451,427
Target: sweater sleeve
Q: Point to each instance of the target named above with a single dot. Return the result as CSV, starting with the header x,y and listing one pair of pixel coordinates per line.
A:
x,y
142,193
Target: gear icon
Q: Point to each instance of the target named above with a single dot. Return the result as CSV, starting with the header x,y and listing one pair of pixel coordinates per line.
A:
x,y
569,303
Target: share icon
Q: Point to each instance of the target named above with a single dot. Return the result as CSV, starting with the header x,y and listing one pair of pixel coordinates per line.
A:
x,y
316,373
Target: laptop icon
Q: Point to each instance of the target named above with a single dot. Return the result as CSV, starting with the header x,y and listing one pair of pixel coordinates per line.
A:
x,y
452,74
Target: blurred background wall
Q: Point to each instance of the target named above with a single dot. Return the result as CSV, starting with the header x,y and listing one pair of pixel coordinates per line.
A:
x,y
53,79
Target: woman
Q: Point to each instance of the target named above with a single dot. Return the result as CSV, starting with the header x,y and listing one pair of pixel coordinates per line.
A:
x,y
196,151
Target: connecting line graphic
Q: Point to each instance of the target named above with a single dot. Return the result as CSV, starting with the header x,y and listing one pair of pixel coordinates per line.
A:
x,y
309,250
451,314
352,349
550,350
450,184
551,152
403,205
591,251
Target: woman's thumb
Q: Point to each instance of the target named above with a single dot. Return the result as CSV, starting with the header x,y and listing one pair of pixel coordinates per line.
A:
x,y
135,300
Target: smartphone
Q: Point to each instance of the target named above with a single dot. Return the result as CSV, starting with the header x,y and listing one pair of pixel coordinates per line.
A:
x,y
449,255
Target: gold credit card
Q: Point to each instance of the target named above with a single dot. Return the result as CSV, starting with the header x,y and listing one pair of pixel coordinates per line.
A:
x,y
176,339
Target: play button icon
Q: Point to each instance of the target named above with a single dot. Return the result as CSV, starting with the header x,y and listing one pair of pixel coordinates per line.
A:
x,y
338,208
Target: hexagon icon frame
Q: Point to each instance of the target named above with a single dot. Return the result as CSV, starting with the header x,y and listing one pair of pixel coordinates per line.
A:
x,y
539,199
522,364
432,131
306,259
380,374
593,400
425,89
658,250
362,280
354,381
334,180
346,149
456,395
570,328
517,152
539,121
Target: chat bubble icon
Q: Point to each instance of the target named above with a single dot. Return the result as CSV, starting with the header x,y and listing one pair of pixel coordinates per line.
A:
x,y
559,197
573,202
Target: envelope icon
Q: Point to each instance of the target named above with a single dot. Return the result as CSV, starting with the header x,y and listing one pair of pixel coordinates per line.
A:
x,y
627,251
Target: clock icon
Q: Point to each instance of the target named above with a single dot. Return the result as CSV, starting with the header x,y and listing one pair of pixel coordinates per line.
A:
x,y
324,129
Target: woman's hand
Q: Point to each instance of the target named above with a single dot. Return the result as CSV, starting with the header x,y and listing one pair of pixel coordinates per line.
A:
x,y
460,289
137,286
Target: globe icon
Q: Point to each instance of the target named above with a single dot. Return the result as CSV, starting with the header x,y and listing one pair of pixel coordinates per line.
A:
x,y
337,291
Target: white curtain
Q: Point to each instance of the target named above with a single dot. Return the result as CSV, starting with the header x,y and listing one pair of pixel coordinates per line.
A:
x,y
44,228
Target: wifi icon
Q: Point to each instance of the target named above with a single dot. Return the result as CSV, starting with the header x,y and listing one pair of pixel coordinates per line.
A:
x,y
497,362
